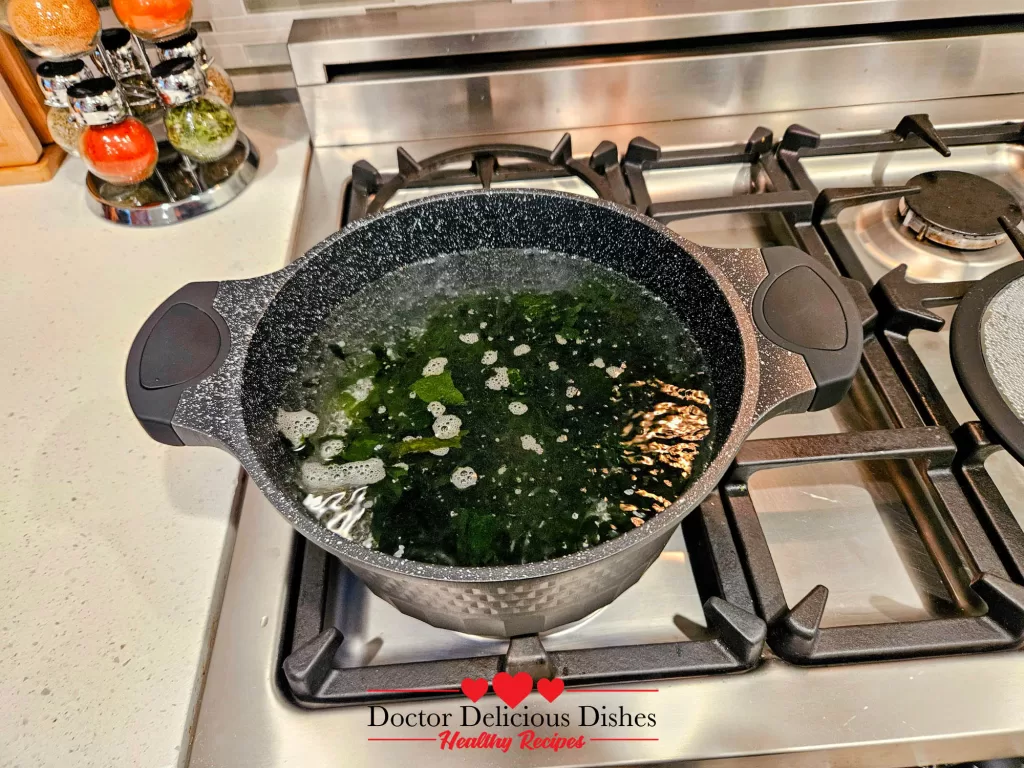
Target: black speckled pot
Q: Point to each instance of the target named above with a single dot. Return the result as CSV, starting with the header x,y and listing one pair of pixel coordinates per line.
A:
x,y
778,331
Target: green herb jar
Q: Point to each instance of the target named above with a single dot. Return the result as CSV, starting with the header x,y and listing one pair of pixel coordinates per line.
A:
x,y
199,124
204,128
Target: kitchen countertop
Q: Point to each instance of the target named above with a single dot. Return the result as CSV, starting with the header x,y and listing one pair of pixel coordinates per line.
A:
x,y
113,548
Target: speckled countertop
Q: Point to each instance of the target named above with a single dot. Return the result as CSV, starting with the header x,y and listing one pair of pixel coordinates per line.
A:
x,y
111,545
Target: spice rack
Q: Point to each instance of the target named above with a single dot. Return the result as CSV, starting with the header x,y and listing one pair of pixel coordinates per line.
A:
x,y
179,187
178,190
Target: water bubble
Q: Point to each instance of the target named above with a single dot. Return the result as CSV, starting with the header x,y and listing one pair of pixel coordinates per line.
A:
x,y
499,380
331,449
529,443
296,426
319,478
435,367
447,427
463,478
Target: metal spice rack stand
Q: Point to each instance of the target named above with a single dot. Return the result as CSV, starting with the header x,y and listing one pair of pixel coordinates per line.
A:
x,y
179,189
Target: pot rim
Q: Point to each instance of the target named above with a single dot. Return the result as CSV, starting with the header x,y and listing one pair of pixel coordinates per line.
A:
x,y
699,489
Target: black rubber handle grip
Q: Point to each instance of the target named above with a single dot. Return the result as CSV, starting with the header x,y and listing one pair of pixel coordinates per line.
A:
x,y
182,342
805,308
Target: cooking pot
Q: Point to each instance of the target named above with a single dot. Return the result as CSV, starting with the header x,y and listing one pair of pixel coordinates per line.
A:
x,y
778,331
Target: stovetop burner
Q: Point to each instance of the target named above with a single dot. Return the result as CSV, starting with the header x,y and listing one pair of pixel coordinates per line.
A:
x,y
958,210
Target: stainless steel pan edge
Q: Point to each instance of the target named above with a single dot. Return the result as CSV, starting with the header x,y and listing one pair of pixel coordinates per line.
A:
x,y
497,601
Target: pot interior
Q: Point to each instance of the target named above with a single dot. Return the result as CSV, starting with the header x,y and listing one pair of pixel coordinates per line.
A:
x,y
604,234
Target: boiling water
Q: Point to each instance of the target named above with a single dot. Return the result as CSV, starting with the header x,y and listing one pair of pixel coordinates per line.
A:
x,y
497,407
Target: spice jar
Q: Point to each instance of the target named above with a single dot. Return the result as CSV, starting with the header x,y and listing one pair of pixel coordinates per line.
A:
x,y
115,146
121,59
190,45
55,77
55,29
199,125
154,19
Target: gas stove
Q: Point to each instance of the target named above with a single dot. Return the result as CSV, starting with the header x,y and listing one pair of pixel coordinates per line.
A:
x,y
879,541
708,618
854,589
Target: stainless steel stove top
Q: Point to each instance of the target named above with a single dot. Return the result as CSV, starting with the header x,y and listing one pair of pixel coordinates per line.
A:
x,y
842,522
891,529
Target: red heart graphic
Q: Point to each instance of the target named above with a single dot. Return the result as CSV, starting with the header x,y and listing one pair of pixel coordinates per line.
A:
x,y
512,690
474,689
550,689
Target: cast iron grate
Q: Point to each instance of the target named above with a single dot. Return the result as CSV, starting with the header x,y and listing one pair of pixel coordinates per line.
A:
x,y
963,520
735,641
369,191
913,132
978,532
795,633
904,306
735,635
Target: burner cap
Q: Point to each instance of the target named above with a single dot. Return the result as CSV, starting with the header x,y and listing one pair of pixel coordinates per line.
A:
x,y
958,209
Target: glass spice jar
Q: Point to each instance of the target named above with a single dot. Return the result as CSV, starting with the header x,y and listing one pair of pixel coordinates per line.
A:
x,y
199,125
121,59
55,29
154,19
189,44
115,146
55,77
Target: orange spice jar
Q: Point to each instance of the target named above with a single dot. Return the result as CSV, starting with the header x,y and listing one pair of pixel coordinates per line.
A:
x,y
154,19
115,146
55,29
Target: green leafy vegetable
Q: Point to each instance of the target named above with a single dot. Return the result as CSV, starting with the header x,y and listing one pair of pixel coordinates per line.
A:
x,y
551,465
427,444
362,448
439,389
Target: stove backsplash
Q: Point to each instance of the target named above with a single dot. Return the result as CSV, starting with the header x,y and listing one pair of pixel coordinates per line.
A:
x,y
249,37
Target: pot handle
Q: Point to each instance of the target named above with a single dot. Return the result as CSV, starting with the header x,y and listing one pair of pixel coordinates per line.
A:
x,y
803,307
811,329
182,342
